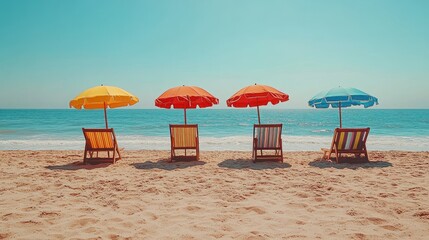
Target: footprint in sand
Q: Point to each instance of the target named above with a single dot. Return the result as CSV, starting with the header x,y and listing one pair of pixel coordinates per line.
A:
x,y
193,208
391,228
319,199
49,214
359,236
4,235
84,222
352,212
30,222
377,221
302,195
422,215
250,209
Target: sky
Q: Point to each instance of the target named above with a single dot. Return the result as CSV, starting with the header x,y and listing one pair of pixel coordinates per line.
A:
x,y
52,50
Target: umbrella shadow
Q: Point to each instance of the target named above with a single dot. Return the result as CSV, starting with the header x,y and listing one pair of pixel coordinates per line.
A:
x,y
165,164
78,165
248,164
349,164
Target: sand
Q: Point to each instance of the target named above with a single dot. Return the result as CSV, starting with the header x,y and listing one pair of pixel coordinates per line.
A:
x,y
51,195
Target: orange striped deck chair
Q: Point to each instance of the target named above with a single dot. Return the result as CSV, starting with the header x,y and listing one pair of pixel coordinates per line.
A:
x,y
267,138
97,141
348,141
184,138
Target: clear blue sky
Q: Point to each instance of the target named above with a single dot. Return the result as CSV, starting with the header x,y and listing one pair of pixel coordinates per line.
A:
x,y
50,51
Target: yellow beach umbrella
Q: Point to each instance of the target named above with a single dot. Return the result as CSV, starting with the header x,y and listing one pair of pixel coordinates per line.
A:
x,y
102,97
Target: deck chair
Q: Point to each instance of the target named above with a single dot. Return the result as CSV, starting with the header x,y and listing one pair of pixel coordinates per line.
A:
x,y
267,138
97,141
348,141
184,137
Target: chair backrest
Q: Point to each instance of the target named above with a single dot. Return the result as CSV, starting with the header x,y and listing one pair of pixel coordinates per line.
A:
x,y
267,135
350,138
99,138
184,135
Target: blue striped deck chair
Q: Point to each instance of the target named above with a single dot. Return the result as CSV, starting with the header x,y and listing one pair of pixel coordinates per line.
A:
x,y
184,137
267,142
100,140
348,141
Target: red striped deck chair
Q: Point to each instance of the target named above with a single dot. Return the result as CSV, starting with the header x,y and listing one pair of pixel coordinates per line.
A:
x,y
267,142
348,141
98,141
184,138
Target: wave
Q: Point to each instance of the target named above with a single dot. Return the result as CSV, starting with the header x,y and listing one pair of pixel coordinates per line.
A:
x,y
241,143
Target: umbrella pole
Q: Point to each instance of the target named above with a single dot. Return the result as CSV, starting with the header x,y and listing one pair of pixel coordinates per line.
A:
x,y
339,109
105,115
259,117
184,110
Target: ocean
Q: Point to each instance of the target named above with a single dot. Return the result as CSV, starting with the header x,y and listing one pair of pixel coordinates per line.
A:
x,y
219,129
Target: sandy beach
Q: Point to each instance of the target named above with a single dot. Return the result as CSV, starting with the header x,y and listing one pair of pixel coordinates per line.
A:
x,y
51,195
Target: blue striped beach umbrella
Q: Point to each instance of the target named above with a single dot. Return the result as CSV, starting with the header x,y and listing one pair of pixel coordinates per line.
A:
x,y
342,97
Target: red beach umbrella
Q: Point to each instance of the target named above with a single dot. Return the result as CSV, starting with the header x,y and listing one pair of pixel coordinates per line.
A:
x,y
255,96
184,97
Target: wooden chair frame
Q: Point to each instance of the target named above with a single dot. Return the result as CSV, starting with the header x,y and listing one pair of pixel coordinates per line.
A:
x,y
343,143
186,144
276,146
100,140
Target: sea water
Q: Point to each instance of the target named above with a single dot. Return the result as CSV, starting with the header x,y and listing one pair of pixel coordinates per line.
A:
x,y
219,129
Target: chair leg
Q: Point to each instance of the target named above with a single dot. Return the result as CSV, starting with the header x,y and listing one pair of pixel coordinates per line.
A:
x,y
337,156
114,153
119,154
84,156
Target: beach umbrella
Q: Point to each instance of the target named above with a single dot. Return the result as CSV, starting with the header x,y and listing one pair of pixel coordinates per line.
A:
x,y
255,96
185,97
102,97
342,97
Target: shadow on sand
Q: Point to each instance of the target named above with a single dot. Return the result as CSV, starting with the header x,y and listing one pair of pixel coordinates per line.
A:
x,y
349,164
165,164
247,163
78,165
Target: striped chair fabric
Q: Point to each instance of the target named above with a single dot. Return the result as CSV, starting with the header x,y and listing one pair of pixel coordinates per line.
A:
x,y
100,140
184,137
351,140
348,140
267,137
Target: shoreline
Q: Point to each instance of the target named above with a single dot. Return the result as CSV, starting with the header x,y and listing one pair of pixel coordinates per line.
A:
x,y
231,143
51,194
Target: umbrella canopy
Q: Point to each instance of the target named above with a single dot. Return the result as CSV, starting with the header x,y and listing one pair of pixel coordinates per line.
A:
x,y
102,97
255,96
184,97
342,97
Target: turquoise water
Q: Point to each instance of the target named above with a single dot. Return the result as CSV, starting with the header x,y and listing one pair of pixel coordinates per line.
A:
x,y
219,129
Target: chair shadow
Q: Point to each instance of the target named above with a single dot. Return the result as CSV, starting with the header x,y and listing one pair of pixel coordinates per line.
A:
x,y
78,165
247,163
165,164
349,164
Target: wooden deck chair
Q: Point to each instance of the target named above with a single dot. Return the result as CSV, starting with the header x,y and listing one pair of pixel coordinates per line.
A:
x,y
267,137
348,141
100,140
184,137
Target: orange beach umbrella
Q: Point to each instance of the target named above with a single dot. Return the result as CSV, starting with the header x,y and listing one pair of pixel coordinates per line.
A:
x,y
184,97
255,96
102,97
